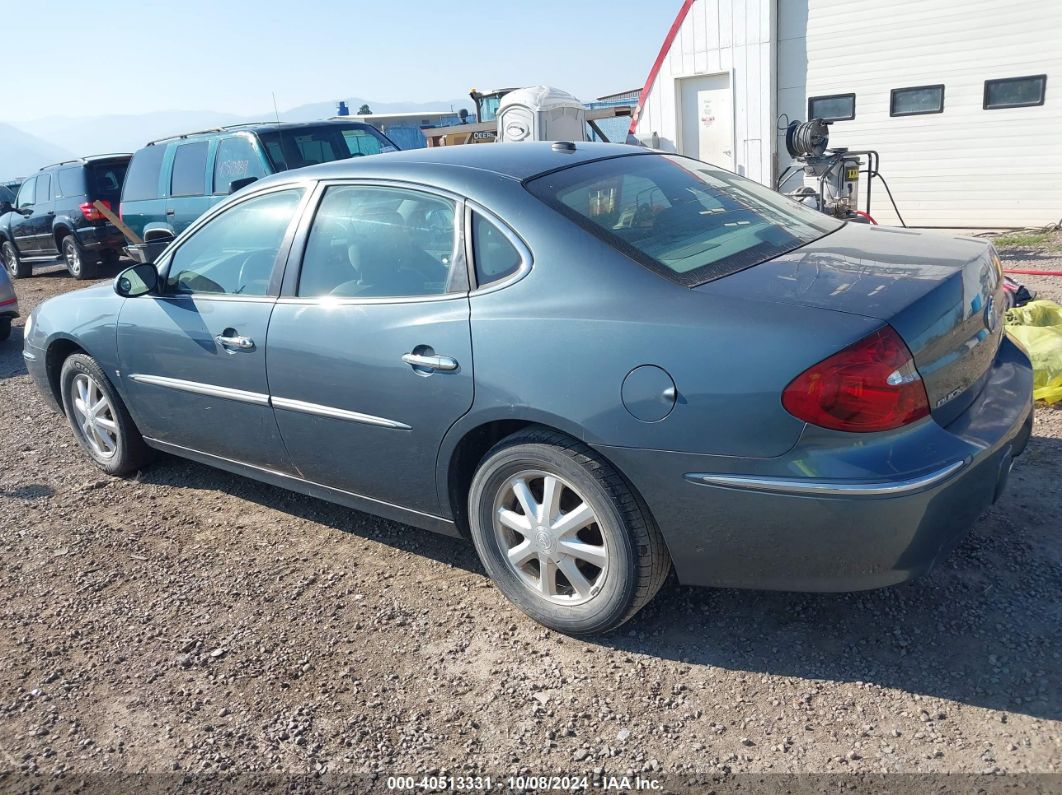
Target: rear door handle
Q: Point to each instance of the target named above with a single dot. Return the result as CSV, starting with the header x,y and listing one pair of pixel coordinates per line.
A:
x,y
430,362
235,342
171,212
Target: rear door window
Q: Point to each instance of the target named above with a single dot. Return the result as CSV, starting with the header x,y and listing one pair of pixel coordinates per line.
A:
x,y
142,180
43,192
684,219
189,169
236,159
381,242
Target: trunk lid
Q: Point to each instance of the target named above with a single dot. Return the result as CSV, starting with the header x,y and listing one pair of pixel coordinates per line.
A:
x,y
942,294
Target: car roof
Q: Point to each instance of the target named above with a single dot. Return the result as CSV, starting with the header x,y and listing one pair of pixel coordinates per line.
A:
x,y
257,126
517,161
88,159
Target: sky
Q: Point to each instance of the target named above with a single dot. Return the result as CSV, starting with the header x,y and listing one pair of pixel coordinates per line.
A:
x,y
139,56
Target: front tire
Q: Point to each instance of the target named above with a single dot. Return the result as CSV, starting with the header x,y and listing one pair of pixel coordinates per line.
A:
x,y
99,419
76,263
563,535
16,268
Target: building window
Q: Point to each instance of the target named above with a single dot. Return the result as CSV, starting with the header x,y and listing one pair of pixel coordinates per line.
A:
x,y
1015,92
835,107
916,100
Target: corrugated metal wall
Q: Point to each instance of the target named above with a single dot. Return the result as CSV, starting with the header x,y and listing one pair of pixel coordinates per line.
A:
x,y
731,36
964,167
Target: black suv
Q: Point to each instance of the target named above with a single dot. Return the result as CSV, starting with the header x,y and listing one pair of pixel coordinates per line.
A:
x,y
55,218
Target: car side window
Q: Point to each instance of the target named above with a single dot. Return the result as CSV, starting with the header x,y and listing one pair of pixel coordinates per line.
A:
x,y
44,189
189,167
495,255
234,253
25,193
380,242
236,159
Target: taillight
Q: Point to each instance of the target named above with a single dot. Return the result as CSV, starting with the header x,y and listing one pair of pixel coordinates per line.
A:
x,y
872,385
91,213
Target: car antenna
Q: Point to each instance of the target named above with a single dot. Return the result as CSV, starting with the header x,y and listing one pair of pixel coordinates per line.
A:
x,y
275,111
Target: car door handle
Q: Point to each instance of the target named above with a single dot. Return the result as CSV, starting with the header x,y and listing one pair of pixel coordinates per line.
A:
x,y
171,212
235,342
430,362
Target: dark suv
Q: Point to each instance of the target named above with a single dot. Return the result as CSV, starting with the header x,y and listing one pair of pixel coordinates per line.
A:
x,y
55,217
173,181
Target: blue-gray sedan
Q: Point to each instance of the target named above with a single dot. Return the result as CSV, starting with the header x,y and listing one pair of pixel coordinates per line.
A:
x,y
596,361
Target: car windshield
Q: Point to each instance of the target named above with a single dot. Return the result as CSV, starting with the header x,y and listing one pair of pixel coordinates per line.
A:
x,y
687,220
295,147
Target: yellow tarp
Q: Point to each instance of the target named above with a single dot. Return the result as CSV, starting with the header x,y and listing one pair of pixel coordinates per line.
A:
x,y
1038,327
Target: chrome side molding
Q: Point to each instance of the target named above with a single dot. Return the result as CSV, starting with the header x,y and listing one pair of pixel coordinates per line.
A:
x,y
195,387
260,399
827,488
338,414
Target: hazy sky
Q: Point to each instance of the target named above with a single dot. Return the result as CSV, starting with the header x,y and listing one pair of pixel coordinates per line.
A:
x,y
135,56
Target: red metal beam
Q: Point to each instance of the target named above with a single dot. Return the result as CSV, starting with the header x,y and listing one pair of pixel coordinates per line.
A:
x,y
659,62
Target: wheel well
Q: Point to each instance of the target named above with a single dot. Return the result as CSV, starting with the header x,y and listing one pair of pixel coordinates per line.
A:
x,y
59,233
466,458
58,352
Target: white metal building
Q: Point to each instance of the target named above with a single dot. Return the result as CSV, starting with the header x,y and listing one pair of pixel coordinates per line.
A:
x,y
963,101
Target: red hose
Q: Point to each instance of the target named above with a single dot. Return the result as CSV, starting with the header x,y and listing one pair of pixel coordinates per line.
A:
x,y
868,216
1032,272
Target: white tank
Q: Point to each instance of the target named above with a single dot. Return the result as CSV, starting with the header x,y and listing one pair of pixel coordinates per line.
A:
x,y
541,113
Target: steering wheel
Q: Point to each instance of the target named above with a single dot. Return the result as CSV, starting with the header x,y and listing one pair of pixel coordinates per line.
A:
x,y
242,278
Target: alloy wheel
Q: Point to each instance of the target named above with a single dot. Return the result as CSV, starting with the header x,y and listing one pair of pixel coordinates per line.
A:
x,y
95,416
73,258
551,538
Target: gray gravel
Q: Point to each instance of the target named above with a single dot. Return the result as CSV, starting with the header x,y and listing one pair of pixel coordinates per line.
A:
x,y
190,620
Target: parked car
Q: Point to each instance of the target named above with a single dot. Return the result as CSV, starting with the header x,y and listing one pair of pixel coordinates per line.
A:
x,y
54,217
7,199
596,361
8,304
175,180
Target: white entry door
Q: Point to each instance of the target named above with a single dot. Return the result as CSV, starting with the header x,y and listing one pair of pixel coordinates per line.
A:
x,y
707,119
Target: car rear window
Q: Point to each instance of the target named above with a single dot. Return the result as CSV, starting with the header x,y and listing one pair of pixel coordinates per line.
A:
x,y
684,219
105,179
296,147
142,180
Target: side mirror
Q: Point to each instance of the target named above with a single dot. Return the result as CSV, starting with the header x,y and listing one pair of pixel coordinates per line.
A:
x,y
138,280
237,184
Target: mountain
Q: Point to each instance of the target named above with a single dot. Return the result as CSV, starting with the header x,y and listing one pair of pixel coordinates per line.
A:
x,y
121,133
22,153
127,133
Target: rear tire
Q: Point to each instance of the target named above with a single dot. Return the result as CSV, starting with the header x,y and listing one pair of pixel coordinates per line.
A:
x,y
563,535
16,268
99,419
5,328
76,263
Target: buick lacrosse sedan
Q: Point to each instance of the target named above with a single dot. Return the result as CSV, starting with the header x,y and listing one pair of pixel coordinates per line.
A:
x,y
595,361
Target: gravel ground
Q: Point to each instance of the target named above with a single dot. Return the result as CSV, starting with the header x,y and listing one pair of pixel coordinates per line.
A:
x,y
191,620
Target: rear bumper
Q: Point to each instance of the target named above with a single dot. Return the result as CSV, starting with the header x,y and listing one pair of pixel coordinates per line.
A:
x,y
831,515
147,252
97,239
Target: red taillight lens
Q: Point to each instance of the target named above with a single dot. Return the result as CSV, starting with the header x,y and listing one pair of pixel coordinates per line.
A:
x,y
91,213
869,386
